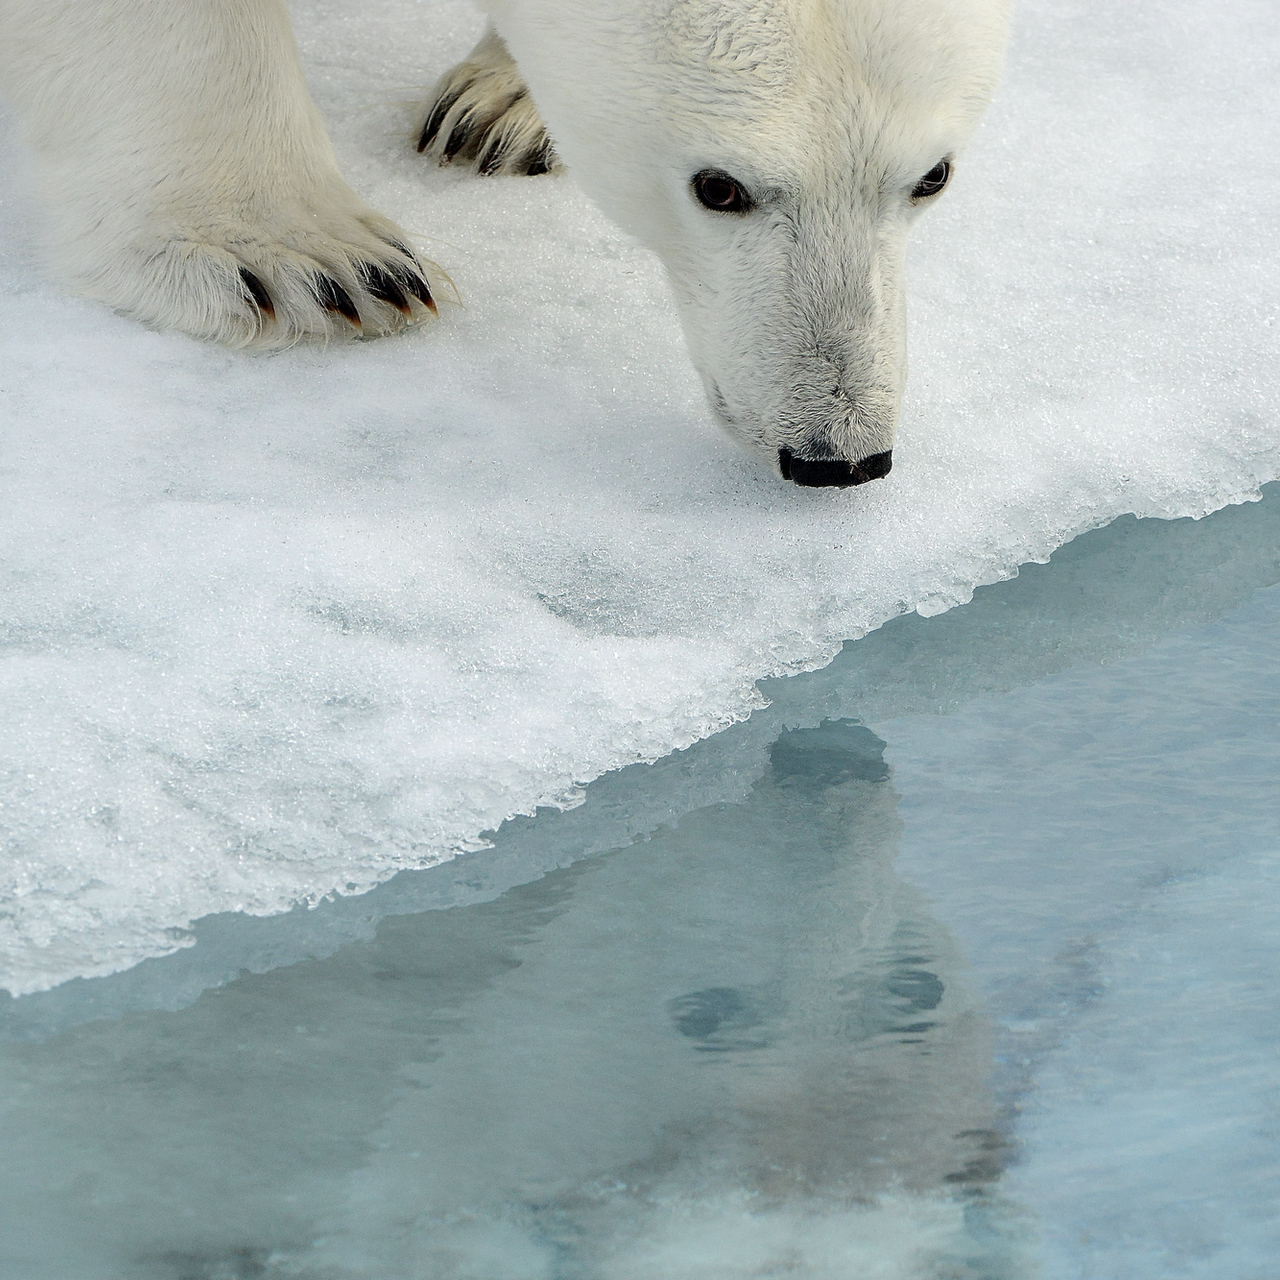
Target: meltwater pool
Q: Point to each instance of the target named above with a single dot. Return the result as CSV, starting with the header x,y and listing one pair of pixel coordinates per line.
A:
x,y
957,960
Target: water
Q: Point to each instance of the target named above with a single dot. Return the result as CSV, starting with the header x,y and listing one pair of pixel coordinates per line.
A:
x,y
279,627
955,961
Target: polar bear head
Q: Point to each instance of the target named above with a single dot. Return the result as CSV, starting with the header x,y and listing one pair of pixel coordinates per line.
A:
x,y
774,154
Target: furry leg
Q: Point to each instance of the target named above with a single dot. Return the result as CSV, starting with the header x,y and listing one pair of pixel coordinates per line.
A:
x,y
186,177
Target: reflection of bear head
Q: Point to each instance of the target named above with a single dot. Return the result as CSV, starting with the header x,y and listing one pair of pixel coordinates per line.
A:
x,y
859,1059
774,154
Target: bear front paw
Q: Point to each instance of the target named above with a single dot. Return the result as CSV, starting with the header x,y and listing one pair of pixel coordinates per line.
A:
x,y
481,114
375,287
270,283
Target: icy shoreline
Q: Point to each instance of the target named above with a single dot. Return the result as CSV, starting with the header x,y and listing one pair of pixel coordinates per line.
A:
x,y
277,627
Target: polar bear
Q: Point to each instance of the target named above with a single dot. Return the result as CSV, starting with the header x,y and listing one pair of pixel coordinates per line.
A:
x,y
772,153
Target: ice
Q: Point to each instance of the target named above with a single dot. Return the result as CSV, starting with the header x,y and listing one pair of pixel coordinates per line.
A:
x,y
276,627
1111,593
984,989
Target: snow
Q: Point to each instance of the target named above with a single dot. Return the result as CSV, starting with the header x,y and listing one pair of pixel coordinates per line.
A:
x,y
275,627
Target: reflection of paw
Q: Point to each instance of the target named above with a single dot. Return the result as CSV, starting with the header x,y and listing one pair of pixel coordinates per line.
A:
x,y
481,113
310,270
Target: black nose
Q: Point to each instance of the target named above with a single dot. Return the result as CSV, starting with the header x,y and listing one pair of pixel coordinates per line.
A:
x,y
816,472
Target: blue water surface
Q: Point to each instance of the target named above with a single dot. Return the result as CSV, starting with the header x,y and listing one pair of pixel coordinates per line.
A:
x,y
955,961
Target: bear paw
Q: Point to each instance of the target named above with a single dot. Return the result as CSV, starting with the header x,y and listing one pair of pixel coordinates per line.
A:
x,y
481,114
268,283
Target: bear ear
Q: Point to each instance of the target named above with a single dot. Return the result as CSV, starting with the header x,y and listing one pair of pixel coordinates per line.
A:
x,y
933,181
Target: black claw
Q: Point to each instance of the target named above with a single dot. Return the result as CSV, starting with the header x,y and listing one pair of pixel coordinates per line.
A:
x,y
333,297
458,138
383,286
444,104
541,160
420,290
257,292
409,279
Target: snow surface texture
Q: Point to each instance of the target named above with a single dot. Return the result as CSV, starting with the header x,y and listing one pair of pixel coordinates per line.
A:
x,y
1110,594
277,626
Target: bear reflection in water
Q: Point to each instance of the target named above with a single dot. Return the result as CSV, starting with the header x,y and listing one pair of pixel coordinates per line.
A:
x,y
739,1044
748,1018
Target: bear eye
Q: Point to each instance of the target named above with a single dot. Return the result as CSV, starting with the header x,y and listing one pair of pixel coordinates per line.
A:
x,y
933,181
719,192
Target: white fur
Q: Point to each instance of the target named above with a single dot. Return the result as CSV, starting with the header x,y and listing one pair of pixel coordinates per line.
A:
x,y
830,110
175,144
